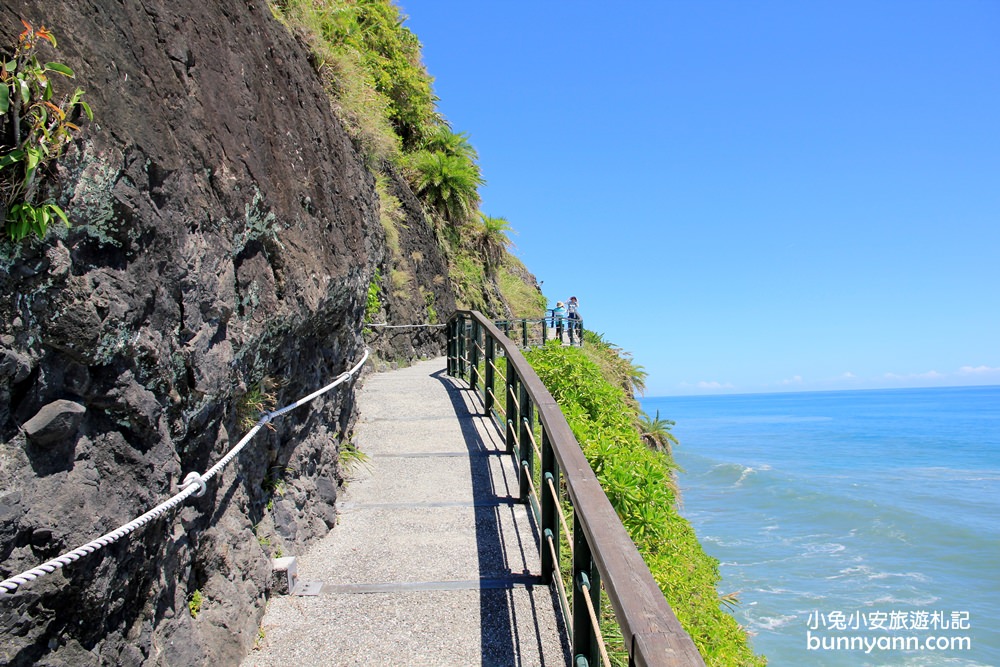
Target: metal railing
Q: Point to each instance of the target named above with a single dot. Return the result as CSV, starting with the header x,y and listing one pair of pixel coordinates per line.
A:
x,y
555,476
534,332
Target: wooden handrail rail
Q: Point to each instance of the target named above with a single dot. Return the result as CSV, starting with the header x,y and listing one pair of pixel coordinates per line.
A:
x,y
651,631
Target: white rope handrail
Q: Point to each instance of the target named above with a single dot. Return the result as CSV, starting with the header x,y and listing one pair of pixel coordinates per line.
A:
x,y
557,576
194,485
383,325
531,438
562,517
598,635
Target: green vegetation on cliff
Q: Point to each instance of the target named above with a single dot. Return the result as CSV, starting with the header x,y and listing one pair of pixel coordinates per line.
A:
x,y
371,66
589,385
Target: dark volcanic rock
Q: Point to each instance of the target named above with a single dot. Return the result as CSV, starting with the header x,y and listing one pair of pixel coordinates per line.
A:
x,y
224,235
427,297
56,421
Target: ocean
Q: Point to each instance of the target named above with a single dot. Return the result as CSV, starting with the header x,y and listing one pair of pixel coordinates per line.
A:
x,y
857,527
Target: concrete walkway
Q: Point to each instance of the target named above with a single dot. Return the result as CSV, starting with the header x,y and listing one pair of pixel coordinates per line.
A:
x,y
433,561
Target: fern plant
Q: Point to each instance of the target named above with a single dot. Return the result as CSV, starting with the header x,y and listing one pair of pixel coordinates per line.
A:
x,y
448,183
493,242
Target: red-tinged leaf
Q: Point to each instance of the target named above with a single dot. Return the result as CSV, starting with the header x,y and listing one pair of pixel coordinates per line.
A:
x,y
59,112
45,34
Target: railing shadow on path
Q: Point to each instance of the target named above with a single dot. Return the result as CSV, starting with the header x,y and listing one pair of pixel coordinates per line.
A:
x,y
554,477
497,509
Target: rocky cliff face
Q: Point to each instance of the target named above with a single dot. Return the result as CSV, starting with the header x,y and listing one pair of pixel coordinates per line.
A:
x,y
415,288
224,236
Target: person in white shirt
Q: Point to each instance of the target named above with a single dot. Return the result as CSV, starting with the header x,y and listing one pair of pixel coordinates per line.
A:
x,y
573,314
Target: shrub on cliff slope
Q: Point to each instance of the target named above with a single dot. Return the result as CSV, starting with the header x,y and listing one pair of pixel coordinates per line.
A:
x,y
638,481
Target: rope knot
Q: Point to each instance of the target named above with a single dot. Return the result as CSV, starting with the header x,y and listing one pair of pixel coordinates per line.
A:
x,y
195,478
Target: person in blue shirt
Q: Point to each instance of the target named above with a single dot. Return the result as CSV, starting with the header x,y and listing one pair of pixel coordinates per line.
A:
x,y
558,313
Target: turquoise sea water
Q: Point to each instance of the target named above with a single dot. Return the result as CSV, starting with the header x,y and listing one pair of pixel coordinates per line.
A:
x,y
852,524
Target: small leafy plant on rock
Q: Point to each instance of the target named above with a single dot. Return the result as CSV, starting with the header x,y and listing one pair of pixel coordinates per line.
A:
x,y
195,602
34,130
372,302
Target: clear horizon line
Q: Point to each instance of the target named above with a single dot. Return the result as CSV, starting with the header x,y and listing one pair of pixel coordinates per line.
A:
x,y
709,393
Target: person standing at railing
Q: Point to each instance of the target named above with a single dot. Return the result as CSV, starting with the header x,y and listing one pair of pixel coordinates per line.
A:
x,y
558,313
573,314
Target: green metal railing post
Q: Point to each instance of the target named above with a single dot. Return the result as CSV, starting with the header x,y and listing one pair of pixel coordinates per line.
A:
x,y
545,330
584,574
461,347
513,418
550,508
524,333
451,347
454,343
490,382
474,355
525,453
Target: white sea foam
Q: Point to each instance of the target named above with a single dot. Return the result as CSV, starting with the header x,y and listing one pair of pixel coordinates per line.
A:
x,y
862,570
915,601
723,543
788,592
824,548
937,660
771,622
870,574
916,576
749,470
746,473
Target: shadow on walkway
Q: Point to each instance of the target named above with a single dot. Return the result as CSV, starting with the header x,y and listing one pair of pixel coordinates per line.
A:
x,y
502,557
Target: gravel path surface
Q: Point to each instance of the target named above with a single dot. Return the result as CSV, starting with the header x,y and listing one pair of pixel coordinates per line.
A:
x,y
433,561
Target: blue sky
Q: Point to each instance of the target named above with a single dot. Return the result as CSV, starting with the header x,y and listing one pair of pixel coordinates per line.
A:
x,y
749,196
